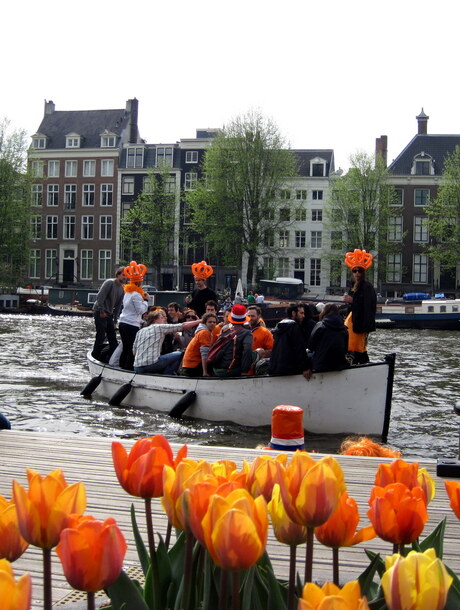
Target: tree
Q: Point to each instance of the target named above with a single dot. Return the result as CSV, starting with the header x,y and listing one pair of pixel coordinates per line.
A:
x,y
444,215
233,206
14,205
148,228
359,211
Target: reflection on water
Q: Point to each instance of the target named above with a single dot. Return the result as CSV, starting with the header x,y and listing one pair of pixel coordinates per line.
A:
x,y
43,363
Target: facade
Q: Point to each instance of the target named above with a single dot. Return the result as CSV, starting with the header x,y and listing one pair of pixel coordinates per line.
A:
x,y
416,175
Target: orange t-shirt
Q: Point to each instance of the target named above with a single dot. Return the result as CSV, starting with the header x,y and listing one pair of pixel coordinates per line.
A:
x,y
262,337
192,356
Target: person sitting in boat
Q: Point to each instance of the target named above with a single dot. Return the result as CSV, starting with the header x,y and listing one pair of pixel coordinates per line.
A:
x,y
308,323
201,294
147,345
135,304
106,309
175,314
262,338
329,341
187,335
220,326
363,306
212,307
194,362
236,357
289,354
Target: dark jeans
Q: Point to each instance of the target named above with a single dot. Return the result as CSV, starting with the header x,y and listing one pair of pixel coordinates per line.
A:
x,y
128,333
105,327
167,364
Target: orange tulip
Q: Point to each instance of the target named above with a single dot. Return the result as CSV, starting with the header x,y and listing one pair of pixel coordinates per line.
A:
x,y
141,472
286,531
92,553
14,595
410,475
331,597
12,544
453,491
263,473
235,530
398,513
340,529
311,490
43,509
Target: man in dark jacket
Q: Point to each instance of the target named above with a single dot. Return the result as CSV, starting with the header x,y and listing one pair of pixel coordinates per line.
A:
x,y
201,294
329,341
289,355
235,358
106,310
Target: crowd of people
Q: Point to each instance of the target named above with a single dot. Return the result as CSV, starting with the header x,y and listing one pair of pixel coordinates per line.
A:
x,y
190,340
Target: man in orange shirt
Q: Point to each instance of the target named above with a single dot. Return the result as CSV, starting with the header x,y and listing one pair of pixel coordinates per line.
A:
x,y
261,336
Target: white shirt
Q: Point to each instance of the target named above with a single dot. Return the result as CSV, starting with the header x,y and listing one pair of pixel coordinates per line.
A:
x,y
133,308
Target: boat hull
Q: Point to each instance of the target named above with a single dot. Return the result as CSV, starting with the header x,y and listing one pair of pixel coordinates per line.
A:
x,y
353,401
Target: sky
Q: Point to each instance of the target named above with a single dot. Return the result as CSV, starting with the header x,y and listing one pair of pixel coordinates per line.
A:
x,y
330,73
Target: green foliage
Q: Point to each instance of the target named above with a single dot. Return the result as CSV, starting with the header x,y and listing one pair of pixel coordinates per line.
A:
x,y
444,215
232,207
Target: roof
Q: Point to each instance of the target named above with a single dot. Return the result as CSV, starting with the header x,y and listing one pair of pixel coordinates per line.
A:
x,y
437,146
305,156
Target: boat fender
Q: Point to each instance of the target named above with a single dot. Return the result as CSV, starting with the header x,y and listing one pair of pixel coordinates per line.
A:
x,y
120,394
91,386
182,404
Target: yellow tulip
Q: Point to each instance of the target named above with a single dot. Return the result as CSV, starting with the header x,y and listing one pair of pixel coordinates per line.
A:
x,y
331,597
264,472
14,595
12,544
416,582
43,509
426,482
286,531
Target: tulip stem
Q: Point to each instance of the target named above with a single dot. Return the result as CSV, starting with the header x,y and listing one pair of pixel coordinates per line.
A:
x,y
335,566
401,549
309,555
168,535
47,591
223,590
90,599
292,572
153,554
188,563
236,591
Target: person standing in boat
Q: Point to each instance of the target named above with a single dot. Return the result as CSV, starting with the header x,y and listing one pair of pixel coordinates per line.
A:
x,y
135,304
106,309
201,294
362,301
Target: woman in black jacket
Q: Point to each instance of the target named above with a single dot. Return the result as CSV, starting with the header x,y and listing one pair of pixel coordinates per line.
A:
x,y
329,341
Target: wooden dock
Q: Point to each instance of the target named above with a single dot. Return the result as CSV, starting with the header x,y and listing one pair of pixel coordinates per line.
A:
x,y
89,459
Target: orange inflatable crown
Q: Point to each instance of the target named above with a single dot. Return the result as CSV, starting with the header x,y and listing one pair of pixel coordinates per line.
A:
x,y
135,272
358,258
202,271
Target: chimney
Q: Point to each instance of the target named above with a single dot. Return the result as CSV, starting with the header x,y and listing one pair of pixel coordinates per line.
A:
x,y
422,120
132,106
381,148
49,107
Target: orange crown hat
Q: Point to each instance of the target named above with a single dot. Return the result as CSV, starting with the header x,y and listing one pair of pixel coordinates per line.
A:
x,y
135,272
201,271
358,258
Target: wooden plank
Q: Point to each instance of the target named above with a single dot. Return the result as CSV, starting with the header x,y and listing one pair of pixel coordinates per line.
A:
x,y
89,459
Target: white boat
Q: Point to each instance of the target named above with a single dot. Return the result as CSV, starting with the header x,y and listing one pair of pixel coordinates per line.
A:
x,y
429,314
356,400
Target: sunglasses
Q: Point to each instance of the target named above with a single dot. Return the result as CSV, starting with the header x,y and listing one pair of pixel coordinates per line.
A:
x,y
190,318
357,271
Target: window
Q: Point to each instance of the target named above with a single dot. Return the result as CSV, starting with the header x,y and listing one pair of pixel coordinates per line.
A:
x,y
269,238
421,196
53,169
50,263
420,229
89,168
135,156
87,227
191,156
422,168
285,215
190,181
397,197
35,227
72,142
393,267
317,169
86,267
148,185
128,185
70,196
269,266
301,194
36,168
107,167
106,194
285,194
301,215
336,273
317,215
164,156
105,227
70,169
108,141
300,238
317,195
420,269
39,142
105,264
89,191
283,266
299,264
37,194
316,239
51,227
395,228
69,227
170,184
315,272
34,264
284,239
336,240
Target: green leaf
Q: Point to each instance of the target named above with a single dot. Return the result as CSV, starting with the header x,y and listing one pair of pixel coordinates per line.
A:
x,y
435,540
366,579
142,552
380,563
123,592
210,590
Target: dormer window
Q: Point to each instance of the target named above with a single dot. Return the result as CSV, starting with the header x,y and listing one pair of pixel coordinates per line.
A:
x,y
108,140
135,156
422,165
72,140
318,168
39,142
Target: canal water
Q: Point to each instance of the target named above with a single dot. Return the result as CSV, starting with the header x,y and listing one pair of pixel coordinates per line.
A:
x,y
42,359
